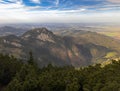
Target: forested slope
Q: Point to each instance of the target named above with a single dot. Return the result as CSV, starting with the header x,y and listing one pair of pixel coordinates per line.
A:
x,y
18,76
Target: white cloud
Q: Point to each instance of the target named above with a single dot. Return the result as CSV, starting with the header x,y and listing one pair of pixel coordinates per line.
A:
x,y
19,13
57,2
35,1
114,1
57,16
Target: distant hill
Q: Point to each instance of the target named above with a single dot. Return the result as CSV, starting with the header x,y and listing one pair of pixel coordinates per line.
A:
x,y
8,30
77,48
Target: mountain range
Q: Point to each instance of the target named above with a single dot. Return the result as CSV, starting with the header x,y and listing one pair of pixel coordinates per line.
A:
x,y
8,30
74,47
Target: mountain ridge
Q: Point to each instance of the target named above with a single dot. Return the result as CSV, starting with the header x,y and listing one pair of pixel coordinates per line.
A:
x,y
48,47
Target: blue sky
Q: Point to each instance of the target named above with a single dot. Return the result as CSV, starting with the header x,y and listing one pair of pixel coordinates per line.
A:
x,y
63,11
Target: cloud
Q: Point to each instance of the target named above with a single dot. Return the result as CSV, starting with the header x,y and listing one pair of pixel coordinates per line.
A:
x,y
57,2
18,12
114,1
35,1
52,16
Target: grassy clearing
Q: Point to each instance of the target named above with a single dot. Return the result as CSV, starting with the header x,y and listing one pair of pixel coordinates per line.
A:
x,y
111,54
115,35
112,34
112,31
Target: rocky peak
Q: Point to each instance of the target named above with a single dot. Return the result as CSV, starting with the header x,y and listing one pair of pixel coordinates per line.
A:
x,y
40,30
39,34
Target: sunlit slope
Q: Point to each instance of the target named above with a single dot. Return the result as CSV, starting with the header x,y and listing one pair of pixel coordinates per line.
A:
x,y
101,47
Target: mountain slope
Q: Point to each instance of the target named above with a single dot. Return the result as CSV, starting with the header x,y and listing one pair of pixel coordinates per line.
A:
x,y
76,50
92,37
100,46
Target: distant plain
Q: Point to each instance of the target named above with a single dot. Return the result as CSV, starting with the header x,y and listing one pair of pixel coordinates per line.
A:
x,y
112,31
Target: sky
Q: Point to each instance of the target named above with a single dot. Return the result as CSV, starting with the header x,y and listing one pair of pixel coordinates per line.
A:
x,y
59,11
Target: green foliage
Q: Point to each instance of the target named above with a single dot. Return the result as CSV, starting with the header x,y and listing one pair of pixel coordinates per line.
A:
x,y
16,76
31,59
73,86
111,55
9,66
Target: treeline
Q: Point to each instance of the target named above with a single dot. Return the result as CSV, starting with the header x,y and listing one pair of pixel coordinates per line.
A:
x,y
18,76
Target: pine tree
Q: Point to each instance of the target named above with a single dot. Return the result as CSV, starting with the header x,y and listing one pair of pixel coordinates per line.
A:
x,y
31,59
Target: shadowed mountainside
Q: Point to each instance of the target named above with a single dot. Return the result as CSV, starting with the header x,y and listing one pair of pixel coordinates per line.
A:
x,y
79,48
